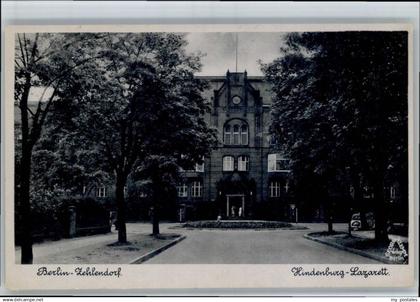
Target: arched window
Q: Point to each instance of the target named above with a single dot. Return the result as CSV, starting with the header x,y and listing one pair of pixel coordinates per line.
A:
x,y
244,135
228,163
235,135
227,135
243,163
236,132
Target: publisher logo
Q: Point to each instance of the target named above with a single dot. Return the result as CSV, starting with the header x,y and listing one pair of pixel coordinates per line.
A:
x,y
396,252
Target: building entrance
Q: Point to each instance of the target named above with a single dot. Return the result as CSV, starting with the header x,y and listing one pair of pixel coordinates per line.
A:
x,y
235,205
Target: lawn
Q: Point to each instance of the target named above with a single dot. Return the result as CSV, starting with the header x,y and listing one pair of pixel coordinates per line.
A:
x,y
367,245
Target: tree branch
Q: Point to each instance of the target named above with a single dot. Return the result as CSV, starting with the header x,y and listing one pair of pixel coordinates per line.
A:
x,y
21,51
39,119
30,111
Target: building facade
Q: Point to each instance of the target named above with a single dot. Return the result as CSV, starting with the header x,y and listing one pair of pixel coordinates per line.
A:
x,y
243,177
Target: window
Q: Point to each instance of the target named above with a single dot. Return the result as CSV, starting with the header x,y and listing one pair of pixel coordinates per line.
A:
x,y
277,163
392,192
236,100
228,163
272,140
243,163
368,192
244,135
196,189
236,135
101,192
275,189
227,135
236,132
182,190
200,167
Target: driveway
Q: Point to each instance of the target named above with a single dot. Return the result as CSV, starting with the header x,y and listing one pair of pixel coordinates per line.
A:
x,y
256,247
222,246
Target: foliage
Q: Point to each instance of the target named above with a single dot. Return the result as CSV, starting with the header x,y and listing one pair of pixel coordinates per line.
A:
x,y
341,106
52,65
148,113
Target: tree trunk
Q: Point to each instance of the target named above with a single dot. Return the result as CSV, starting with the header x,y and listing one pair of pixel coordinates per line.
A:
x,y
25,209
381,232
25,179
119,194
330,225
330,216
155,212
155,222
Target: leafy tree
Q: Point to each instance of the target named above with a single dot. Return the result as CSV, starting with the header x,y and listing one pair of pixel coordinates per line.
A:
x,y
49,64
174,130
147,112
341,106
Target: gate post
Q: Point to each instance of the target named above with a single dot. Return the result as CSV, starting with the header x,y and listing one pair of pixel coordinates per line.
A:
x,y
227,206
72,221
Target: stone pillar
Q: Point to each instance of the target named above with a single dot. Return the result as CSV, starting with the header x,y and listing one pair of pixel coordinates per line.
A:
x,y
72,221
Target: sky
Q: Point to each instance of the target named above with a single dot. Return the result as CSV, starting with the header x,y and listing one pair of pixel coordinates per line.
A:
x,y
219,53
219,50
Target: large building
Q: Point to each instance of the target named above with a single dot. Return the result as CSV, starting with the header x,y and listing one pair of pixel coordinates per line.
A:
x,y
242,177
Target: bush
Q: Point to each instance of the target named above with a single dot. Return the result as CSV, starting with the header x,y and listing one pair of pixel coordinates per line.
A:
x,y
226,224
51,217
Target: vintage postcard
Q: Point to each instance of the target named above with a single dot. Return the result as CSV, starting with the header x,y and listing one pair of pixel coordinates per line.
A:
x,y
209,156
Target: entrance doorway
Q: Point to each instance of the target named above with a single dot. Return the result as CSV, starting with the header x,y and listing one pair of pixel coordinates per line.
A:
x,y
235,205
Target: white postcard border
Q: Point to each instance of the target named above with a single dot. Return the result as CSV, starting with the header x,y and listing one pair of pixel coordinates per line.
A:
x,y
146,276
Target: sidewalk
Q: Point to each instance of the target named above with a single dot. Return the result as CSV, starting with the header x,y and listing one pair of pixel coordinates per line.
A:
x,y
84,248
47,248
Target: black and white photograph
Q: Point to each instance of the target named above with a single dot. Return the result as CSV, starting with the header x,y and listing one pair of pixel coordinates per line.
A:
x,y
211,148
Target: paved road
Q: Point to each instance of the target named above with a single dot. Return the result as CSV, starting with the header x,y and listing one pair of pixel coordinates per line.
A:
x,y
223,247
254,247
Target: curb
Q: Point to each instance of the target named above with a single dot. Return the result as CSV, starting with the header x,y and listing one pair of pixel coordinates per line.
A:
x,y
153,253
351,250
